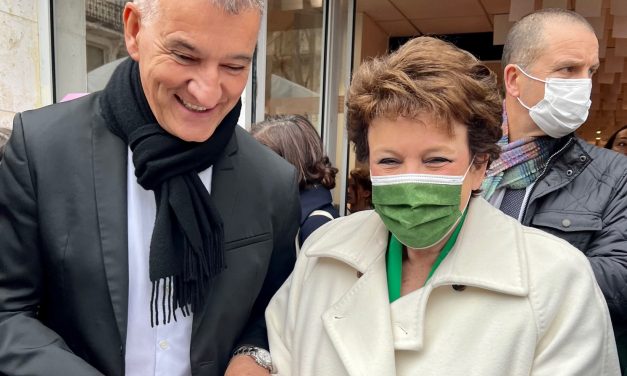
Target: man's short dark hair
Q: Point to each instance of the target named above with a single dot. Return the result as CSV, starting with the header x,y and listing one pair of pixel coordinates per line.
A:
x,y
525,41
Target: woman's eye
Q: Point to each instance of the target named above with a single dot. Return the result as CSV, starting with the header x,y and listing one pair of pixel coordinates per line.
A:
x,y
437,160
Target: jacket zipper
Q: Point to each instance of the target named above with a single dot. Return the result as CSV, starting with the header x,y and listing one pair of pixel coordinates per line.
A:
x,y
546,168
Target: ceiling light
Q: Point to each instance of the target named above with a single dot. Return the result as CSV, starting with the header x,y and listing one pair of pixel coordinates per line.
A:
x,y
598,132
598,138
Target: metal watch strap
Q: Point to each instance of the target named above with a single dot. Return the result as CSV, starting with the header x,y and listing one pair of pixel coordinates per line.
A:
x,y
259,355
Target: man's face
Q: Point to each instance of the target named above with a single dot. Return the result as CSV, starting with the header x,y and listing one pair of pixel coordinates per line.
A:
x,y
570,51
194,61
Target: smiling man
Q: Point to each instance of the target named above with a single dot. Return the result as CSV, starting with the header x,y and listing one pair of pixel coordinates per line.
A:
x,y
143,231
547,177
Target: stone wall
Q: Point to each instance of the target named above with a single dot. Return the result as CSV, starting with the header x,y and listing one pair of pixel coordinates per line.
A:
x,y
20,76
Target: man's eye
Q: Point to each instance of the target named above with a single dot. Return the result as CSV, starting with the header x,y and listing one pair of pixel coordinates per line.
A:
x,y
235,68
388,161
183,58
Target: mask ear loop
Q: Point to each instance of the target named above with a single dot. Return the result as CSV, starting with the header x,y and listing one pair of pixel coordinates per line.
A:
x,y
469,166
470,195
533,78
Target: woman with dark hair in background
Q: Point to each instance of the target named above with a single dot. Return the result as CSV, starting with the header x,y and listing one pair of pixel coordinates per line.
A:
x,y
359,195
297,141
618,141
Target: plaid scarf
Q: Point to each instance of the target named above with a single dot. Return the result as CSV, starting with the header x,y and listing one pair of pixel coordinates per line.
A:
x,y
520,163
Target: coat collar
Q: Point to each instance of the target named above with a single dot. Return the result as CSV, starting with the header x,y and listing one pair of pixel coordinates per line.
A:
x,y
489,254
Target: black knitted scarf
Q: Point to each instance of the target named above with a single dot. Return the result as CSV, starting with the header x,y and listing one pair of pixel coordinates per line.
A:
x,y
187,245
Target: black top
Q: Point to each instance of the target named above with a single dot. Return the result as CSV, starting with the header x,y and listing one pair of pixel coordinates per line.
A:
x,y
311,199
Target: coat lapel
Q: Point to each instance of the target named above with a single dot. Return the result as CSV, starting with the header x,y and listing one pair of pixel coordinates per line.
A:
x,y
359,325
109,164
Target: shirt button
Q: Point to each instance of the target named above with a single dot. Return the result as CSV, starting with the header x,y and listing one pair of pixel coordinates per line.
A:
x,y
566,222
164,344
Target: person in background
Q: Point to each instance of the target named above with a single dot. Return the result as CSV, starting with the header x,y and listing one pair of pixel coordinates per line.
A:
x,y
142,231
295,139
618,141
359,195
5,133
435,281
547,177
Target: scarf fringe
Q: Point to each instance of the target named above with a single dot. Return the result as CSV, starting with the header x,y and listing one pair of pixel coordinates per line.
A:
x,y
187,292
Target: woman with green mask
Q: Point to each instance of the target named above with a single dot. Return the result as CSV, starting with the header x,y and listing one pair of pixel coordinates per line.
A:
x,y
434,280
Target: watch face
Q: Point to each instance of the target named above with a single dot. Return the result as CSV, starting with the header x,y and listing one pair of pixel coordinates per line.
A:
x,y
264,357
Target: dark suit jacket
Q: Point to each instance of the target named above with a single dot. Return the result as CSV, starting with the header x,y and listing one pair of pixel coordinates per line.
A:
x,y
63,246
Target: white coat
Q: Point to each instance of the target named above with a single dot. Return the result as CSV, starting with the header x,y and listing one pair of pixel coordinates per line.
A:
x,y
507,300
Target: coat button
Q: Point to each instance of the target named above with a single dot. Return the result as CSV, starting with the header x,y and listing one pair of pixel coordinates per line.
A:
x,y
569,172
583,158
459,287
566,222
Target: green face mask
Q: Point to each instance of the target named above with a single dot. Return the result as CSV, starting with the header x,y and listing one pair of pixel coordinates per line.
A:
x,y
419,209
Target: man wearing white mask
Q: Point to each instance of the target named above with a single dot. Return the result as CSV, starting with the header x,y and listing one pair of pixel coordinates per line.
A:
x,y
548,178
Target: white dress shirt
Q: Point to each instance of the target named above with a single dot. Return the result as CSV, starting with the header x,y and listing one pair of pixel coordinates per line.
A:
x,y
164,349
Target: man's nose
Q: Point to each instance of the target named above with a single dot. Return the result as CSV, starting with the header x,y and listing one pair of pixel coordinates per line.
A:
x,y
206,87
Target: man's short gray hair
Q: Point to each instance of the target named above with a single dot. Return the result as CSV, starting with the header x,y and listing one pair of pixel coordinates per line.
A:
x,y
150,8
525,41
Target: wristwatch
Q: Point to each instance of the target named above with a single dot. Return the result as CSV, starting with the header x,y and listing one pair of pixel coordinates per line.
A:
x,y
259,355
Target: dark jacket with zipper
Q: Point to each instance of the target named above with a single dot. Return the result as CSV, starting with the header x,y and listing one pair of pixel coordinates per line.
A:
x,y
582,198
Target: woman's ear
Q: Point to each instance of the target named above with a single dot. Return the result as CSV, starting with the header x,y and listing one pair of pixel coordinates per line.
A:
x,y
480,165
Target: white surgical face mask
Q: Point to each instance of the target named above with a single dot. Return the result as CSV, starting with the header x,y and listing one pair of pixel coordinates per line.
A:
x,y
564,107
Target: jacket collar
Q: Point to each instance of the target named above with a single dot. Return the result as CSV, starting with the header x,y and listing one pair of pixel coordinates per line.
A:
x,y
313,198
488,237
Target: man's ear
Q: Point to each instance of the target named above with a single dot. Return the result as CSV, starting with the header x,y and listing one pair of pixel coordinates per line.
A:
x,y
132,24
510,77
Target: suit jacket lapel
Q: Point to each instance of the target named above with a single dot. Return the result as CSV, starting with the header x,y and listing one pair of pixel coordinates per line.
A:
x,y
110,182
223,185
224,194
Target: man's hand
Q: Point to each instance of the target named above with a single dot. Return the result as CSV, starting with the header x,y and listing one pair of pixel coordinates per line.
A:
x,y
244,365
